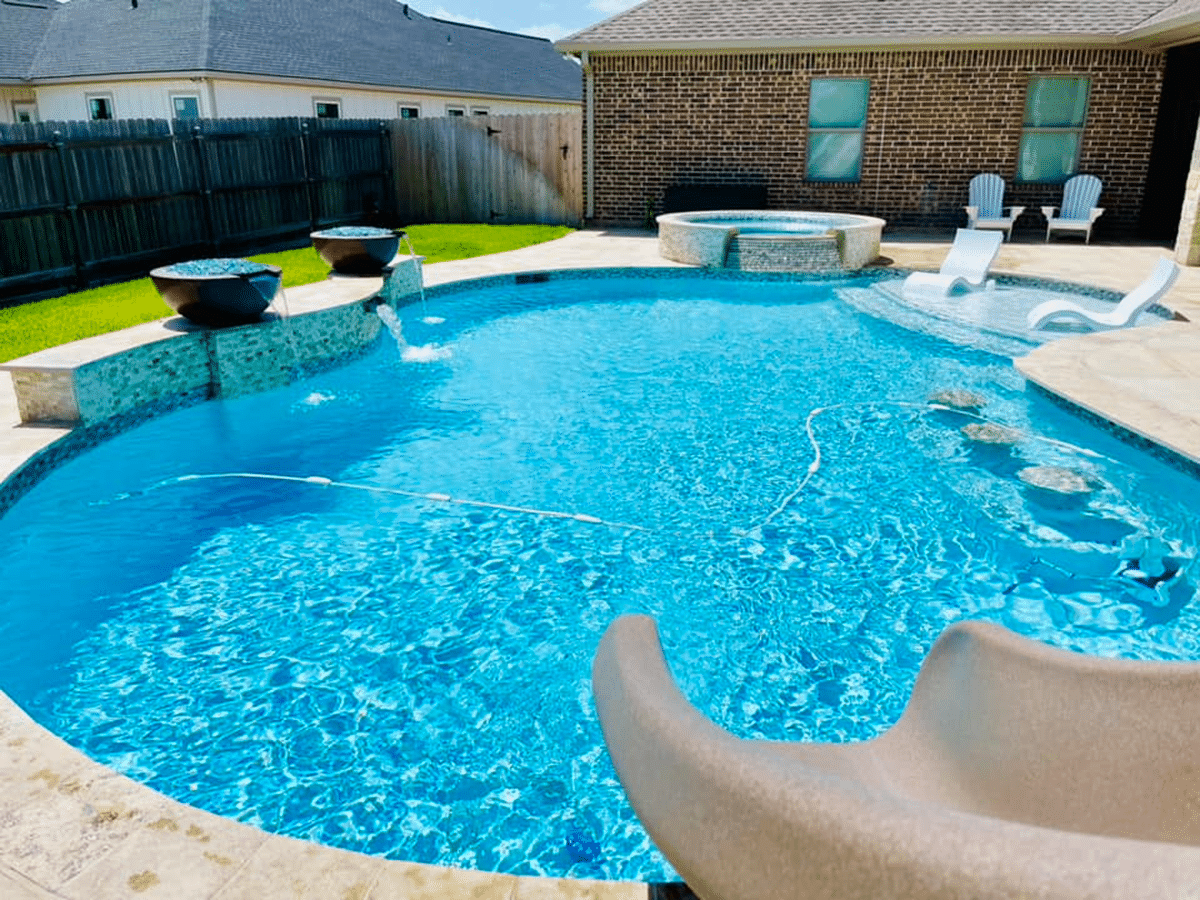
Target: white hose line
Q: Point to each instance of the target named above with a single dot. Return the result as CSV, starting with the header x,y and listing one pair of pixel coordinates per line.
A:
x,y
413,495
815,465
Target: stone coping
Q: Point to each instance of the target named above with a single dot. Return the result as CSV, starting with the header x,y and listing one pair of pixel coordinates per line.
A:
x,y
1145,381
76,830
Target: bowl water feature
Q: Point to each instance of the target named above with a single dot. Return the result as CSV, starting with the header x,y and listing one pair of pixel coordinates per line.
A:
x,y
376,630
218,292
356,249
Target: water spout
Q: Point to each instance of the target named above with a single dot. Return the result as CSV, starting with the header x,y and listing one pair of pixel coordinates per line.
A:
x,y
412,254
408,353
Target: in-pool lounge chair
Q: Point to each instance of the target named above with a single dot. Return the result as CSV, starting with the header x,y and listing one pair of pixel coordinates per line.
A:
x,y
1079,209
985,196
1122,315
966,265
1017,770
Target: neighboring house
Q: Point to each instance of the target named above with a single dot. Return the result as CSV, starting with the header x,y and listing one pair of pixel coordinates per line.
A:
x,y
98,59
889,107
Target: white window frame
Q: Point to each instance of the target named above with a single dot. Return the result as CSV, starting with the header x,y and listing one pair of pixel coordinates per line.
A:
x,y
334,101
402,105
108,98
480,111
28,105
455,109
182,95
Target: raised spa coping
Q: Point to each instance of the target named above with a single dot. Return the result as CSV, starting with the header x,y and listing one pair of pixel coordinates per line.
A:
x,y
744,239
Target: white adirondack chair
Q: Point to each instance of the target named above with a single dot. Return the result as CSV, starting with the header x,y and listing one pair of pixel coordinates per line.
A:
x,y
985,194
1122,315
1079,209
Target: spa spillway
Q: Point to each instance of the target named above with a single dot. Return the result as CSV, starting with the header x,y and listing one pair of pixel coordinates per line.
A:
x,y
770,241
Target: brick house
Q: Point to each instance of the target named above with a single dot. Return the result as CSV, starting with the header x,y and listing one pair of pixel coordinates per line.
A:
x,y
889,107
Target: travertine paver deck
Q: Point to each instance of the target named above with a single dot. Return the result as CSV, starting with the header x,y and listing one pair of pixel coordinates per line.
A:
x,y
74,830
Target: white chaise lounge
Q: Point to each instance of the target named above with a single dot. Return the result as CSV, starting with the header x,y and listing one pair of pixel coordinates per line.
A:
x,y
1017,770
1122,315
985,209
965,266
1079,209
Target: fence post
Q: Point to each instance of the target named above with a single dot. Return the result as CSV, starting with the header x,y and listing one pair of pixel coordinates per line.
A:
x,y
205,191
306,157
69,206
387,205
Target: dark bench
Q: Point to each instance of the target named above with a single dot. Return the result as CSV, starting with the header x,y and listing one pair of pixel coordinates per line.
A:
x,y
690,197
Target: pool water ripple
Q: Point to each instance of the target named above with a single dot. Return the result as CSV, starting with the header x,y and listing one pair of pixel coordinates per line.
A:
x,y
411,678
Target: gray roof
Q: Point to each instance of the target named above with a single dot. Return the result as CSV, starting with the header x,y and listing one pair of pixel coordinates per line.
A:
x,y
842,23
22,26
363,42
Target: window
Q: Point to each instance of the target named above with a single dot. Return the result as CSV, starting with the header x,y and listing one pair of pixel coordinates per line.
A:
x,y
24,111
100,106
455,111
1055,110
837,118
328,109
186,106
409,112
479,111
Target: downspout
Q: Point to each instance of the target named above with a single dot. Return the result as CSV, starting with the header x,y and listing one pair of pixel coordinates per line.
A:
x,y
212,97
589,138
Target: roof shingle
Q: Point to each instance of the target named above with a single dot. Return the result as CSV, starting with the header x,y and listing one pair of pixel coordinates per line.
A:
x,y
23,27
365,42
834,23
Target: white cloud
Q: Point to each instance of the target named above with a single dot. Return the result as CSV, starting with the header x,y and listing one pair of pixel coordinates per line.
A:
x,y
612,7
442,13
549,32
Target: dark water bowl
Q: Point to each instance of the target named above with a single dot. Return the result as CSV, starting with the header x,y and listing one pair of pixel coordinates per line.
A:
x,y
219,300
357,254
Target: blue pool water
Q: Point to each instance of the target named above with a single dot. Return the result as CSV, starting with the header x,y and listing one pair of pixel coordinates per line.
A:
x,y
410,677
780,228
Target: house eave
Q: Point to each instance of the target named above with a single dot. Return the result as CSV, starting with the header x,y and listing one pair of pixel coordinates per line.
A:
x,y
1183,29
842,43
322,84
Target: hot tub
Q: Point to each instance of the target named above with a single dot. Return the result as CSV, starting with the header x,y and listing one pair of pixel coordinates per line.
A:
x,y
770,241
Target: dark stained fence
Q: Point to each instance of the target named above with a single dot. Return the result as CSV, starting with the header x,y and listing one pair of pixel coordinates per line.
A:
x,y
86,202
504,169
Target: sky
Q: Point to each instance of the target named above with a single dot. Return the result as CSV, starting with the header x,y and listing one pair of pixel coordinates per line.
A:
x,y
551,19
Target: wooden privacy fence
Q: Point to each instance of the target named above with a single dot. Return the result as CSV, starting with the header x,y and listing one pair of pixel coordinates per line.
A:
x,y
505,169
82,202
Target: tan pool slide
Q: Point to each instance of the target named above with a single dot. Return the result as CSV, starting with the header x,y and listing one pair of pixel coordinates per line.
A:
x,y
1017,771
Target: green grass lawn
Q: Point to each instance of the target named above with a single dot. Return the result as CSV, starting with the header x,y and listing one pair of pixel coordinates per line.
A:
x,y
58,320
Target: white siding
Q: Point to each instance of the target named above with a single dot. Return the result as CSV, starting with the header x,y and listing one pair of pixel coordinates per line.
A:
x,y
9,95
238,99
229,99
130,99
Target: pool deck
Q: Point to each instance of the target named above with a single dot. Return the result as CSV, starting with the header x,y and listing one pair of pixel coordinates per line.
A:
x,y
71,829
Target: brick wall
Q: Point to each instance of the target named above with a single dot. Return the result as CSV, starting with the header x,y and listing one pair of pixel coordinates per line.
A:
x,y
935,119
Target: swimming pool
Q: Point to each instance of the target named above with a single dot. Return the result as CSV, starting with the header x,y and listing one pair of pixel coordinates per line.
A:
x,y
409,676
